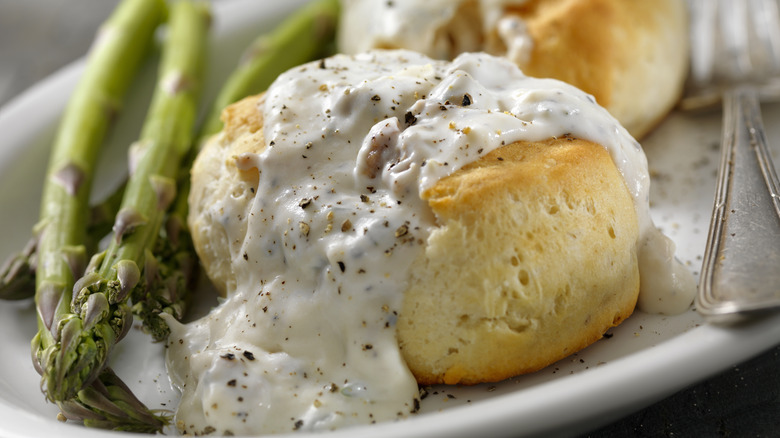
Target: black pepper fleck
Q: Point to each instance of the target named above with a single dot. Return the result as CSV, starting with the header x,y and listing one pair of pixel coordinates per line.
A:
x,y
410,119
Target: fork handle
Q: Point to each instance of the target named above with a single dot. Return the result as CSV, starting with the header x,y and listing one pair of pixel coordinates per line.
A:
x,y
741,267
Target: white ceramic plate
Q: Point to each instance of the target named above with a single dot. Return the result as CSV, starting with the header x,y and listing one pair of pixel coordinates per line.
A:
x,y
646,358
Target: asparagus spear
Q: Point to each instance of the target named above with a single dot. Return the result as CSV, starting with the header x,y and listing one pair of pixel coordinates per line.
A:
x,y
114,58
301,37
170,269
100,313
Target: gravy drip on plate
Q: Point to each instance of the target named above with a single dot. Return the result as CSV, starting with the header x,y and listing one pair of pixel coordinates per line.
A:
x,y
306,340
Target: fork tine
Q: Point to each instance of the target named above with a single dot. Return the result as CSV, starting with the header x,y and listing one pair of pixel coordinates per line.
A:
x,y
733,41
734,37
701,32
766,16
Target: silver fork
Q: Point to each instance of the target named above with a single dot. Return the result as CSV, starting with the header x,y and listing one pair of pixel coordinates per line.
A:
x,y
735,55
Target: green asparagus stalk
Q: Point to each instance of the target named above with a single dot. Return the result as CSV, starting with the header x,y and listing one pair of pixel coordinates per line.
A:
x,y
108,403
170,269
301,37
100,311
119,48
